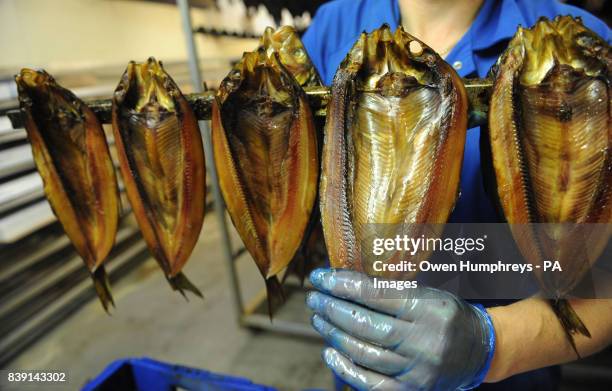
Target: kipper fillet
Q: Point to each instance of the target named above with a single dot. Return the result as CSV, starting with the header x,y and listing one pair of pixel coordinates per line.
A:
x,y
162,164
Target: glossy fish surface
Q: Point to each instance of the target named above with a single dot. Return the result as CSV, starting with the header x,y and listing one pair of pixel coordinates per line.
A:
x,y
265,151
394,141
73,159
292,54
162,163
550,136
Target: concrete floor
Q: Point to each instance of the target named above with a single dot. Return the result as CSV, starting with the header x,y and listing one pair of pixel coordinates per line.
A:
x,y
150,320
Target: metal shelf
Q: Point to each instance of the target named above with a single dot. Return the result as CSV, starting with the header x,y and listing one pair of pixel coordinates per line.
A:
x,y
64,293
25,221
16,159
20,191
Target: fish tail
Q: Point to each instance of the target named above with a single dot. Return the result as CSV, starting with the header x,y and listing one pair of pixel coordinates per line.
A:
x,y
181,283
275,293
102,287
571,322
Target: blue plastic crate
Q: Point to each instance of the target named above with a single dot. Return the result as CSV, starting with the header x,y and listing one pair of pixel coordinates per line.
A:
x,y
145,374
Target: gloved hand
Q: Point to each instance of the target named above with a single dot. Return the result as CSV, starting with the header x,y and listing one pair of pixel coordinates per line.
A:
x,y
426,340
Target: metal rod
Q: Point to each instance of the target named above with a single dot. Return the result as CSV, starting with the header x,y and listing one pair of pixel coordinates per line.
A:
x,y
203,101
478,92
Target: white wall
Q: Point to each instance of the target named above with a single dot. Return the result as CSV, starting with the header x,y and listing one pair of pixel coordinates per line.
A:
x,y
64,35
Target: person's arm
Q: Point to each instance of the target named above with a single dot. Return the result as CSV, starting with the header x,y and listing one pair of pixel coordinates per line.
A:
x,y
529,335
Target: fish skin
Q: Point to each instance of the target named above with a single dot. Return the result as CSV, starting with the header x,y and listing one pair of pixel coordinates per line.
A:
x,y
265,151
379,165
161,158
550,137
292,54
73,159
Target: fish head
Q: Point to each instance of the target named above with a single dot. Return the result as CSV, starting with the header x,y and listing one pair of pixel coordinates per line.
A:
x,y
292,54
563,42
39,90
147,88
394,62
261,79
31,84
32,79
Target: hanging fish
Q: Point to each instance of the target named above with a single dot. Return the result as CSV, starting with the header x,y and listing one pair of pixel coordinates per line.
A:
x,y
162,164
393,149
72,157
551,141
265,151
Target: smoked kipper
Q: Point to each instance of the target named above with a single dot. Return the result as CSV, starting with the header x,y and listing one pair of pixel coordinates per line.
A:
x,y
393,148
73,159
162,164
265,151
550,137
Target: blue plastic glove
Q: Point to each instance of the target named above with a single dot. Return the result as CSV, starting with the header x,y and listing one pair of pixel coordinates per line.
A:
x,y
426,340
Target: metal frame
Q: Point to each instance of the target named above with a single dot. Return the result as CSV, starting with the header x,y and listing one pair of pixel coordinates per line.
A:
x,y
253,314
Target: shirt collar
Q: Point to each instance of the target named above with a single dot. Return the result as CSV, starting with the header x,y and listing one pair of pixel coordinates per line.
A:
x,y
461,59
497,21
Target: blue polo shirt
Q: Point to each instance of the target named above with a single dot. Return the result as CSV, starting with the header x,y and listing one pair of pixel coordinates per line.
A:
x,y
337,25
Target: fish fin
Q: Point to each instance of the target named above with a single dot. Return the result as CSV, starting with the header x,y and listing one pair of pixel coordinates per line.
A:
x,y
571,322
181,283
275,293
102,287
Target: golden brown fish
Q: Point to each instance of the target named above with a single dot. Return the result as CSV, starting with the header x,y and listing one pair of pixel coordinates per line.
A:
x,y
162,164
551,140
72,157
394,141
265,151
